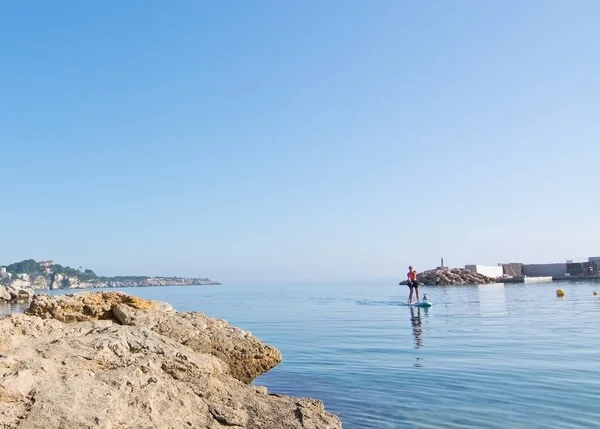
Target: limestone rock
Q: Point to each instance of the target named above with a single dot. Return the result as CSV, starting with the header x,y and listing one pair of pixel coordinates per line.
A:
x,y
27,282
104,375
56,281
21,283
85,306
4,294
246,356
12,293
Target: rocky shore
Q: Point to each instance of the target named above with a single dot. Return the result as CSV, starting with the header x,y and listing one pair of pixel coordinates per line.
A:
x,y
454,276
114,361
15,294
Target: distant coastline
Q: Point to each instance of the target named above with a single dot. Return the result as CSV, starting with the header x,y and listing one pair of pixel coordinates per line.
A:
x,y
50,276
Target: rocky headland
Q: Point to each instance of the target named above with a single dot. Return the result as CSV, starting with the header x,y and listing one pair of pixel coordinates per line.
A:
x,y
31,274
63,281
111,360
454,276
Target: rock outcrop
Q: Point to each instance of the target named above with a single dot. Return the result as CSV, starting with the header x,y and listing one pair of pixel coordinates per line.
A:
x,y
15,293
246,356
25,282
109,360
455,276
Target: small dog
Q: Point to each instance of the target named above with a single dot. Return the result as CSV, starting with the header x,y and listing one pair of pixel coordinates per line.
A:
x,y
425,298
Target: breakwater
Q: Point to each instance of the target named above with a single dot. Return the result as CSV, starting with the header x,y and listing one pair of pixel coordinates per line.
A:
x,y
451,276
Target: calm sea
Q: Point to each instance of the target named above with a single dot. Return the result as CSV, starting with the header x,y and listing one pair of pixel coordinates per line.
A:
x,y
492,356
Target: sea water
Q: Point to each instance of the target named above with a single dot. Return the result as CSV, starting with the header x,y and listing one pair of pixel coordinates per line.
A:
x,y
490,356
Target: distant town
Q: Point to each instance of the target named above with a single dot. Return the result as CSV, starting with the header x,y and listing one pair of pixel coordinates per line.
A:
x,y
49,275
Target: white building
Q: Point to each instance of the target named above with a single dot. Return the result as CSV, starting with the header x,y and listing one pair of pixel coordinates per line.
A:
x,y
4,274
493,271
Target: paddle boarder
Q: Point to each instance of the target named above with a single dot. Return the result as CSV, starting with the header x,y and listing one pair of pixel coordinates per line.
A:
x,y
412,283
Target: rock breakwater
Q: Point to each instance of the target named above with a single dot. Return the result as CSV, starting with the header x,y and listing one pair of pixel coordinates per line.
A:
x,y
454,276
110,360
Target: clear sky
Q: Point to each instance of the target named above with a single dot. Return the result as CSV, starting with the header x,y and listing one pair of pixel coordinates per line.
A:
x,y
278,140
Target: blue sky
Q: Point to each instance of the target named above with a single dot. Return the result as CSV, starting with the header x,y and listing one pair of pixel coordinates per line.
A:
x,y
277,141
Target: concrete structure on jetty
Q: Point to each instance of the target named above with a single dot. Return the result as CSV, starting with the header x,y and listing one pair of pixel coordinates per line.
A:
x,y
487,270
516,272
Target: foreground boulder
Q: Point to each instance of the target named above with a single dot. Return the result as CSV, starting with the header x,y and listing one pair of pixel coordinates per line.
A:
x,y
246,356
100,373
16,293
455,276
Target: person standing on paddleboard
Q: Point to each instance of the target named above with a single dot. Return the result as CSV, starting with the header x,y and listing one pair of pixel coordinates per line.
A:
x,y
412,283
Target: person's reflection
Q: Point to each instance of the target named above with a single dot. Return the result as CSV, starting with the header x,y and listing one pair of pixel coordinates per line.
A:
x,y
415,320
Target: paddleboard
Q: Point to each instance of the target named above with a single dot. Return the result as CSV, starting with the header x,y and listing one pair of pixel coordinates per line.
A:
x,y
418,304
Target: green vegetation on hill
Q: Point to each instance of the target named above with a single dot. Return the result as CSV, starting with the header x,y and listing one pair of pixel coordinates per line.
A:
x,y
33,269
28,266
84,276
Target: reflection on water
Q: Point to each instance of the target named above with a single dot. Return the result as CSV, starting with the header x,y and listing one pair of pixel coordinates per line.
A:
x,y
417,331
415,320
8,308
492,299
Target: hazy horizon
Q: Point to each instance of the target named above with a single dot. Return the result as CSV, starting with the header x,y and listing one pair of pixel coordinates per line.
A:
x,y
279,142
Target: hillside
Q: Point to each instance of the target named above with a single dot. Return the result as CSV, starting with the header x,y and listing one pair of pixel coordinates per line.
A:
x,y
47,275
